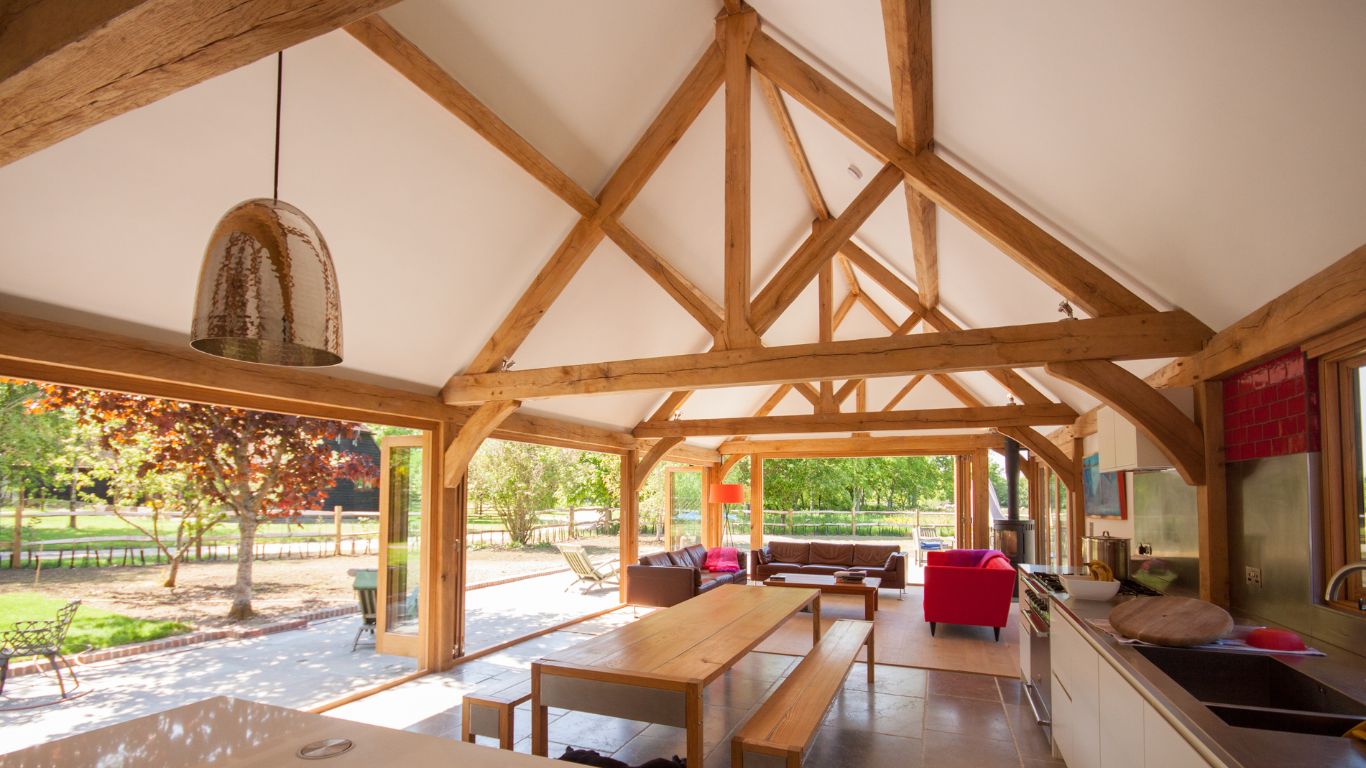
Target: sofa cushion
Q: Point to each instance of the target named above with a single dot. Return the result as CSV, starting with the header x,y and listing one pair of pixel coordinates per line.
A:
x,y
766,570
873,554
790,551
829,553
822,570
696,556
656,558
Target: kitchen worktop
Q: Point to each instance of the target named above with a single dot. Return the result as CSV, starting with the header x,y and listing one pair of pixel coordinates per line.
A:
x,y
1243,747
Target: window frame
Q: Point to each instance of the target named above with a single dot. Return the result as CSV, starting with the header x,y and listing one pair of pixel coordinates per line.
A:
x,y
1340,355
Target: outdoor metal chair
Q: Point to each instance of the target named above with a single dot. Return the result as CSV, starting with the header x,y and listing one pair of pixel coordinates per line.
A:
x,y
366,584
584,569
40,638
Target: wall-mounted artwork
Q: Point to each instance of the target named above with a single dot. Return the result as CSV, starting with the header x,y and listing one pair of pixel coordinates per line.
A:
x,y
1104,490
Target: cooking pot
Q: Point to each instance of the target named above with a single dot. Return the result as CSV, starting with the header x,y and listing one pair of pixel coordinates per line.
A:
x,y
1111,550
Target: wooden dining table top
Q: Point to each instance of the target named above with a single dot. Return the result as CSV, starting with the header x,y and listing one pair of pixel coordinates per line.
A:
x,y
694,641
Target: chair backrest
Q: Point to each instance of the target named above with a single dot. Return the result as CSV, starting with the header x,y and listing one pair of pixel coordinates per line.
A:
x,y
578,560
367,598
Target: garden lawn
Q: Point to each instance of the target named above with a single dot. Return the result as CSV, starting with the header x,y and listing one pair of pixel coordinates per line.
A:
x,y
91,628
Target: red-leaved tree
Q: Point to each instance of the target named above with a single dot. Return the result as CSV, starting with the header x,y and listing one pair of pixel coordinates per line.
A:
x,y
257,465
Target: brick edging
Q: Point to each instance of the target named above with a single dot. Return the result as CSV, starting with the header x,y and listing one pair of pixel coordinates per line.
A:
x,y
190,638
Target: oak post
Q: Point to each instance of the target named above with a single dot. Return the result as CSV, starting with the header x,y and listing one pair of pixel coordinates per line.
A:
x,y
628,533
1212,497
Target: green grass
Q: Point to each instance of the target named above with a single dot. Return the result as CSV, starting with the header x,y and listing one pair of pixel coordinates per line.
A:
x,y
91,627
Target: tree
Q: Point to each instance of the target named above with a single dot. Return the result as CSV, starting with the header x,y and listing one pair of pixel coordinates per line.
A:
x,y
518,480
257,465
170,494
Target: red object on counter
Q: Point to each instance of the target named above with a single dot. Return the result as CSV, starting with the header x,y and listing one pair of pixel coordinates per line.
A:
x,y
1275,639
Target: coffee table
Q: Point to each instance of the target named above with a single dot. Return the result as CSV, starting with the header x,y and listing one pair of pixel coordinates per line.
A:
x,y
830,585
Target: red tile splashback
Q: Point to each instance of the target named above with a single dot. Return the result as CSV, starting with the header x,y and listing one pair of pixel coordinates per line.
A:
x,y
1272,410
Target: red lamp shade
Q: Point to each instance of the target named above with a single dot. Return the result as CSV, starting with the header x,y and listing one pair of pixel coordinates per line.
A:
x,y
727,493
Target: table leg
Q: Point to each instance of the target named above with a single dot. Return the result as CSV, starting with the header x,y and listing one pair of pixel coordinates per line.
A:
x,y
540,716
869,605
693,712
872,655
816,619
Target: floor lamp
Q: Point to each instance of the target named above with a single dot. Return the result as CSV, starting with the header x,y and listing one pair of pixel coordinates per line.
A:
x,y
726,494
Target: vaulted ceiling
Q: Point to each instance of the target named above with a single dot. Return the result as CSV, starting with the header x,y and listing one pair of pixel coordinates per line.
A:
x,y
1207,156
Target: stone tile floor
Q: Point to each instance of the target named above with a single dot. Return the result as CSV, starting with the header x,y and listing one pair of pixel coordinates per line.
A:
x,y
909,718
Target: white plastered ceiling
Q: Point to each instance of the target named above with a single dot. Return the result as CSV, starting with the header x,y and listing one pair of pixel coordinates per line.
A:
x,y
1208,155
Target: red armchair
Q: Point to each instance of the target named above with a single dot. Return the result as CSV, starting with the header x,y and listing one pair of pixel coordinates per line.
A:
x,y
968,586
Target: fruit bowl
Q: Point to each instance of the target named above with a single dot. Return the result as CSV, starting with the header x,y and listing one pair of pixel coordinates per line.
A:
x,y
1087,588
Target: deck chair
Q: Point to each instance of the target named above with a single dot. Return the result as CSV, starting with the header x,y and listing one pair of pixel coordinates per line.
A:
x,y
366,584
584,569
40,638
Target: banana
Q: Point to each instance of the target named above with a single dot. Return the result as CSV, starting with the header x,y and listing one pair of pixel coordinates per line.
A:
x,y
1100,571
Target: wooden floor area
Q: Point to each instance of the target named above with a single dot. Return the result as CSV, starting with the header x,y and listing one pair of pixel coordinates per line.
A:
x,y
903,636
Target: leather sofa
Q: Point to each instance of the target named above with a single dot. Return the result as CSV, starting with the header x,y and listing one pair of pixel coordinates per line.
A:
x,y
968,586
663,579
884,561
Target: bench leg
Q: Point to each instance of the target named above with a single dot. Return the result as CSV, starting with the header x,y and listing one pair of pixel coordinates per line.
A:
x,y
505,740
737,754
465,719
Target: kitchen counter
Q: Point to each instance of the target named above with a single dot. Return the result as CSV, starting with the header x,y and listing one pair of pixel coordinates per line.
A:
x,y
1226,744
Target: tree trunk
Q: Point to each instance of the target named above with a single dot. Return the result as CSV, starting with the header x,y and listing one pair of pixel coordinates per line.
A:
x,y
246,551
171,572
17,544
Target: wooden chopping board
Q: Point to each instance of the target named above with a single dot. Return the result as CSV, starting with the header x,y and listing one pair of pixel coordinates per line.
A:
x,y
1174,621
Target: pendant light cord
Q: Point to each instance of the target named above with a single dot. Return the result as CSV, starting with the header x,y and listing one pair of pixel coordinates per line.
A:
x,y
279,89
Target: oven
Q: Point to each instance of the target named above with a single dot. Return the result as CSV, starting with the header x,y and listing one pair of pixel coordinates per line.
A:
x,y
1034,650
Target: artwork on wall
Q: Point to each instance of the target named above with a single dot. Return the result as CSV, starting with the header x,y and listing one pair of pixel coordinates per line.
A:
x,y
1104,490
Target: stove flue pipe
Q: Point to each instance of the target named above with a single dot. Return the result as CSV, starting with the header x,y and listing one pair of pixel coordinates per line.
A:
x,y
1012,479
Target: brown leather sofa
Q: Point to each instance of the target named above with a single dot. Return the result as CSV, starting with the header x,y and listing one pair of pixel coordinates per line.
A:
x,y
884,561
663,579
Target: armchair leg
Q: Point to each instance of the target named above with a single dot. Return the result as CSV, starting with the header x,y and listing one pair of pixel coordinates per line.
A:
x,y
4,672
997,630
57,670
932,629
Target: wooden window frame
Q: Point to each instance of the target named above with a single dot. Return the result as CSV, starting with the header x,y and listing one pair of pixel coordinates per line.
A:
x,y
1339,355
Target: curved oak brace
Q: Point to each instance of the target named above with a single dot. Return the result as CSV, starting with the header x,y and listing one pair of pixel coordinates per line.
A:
x,y
729,463
1043,448
472,433
1175,435
654,456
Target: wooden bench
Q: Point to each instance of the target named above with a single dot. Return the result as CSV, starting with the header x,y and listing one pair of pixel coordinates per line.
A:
x,y
490,713
781,732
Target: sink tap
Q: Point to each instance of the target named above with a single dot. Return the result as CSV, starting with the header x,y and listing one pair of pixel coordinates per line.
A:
x,y
1340,577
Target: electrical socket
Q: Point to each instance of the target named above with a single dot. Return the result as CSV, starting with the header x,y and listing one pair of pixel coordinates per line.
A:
x,y
1254,576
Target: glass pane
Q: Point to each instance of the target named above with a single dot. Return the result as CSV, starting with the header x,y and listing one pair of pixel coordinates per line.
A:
x,y
685,528
402,550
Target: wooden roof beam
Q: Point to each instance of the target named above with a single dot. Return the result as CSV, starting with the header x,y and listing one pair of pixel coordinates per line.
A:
x,y
1081,282
1162,334
65,67
662,134
884,421
906,24
826,238
840,447
1179,439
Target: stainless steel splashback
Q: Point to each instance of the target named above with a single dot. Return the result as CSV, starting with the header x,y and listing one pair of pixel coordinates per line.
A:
x,y
1165,518
1274,523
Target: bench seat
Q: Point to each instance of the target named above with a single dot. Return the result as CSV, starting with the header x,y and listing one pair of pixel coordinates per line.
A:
x,y
781,732
490,713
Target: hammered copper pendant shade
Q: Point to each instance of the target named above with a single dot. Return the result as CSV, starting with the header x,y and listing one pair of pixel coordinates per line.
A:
x,y
267,289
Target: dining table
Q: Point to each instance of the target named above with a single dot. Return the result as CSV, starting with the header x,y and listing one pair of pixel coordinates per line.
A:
x,y
657,669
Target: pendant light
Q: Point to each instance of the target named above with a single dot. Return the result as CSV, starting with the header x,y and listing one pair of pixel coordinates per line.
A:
x,y
267,288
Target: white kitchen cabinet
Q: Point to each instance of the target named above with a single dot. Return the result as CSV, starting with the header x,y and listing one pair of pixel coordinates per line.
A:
x,y
1121,721
1122,447
1100,720
1075,669
1163,747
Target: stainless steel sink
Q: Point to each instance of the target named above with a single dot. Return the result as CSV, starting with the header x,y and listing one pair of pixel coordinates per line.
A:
x,y
1257,691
